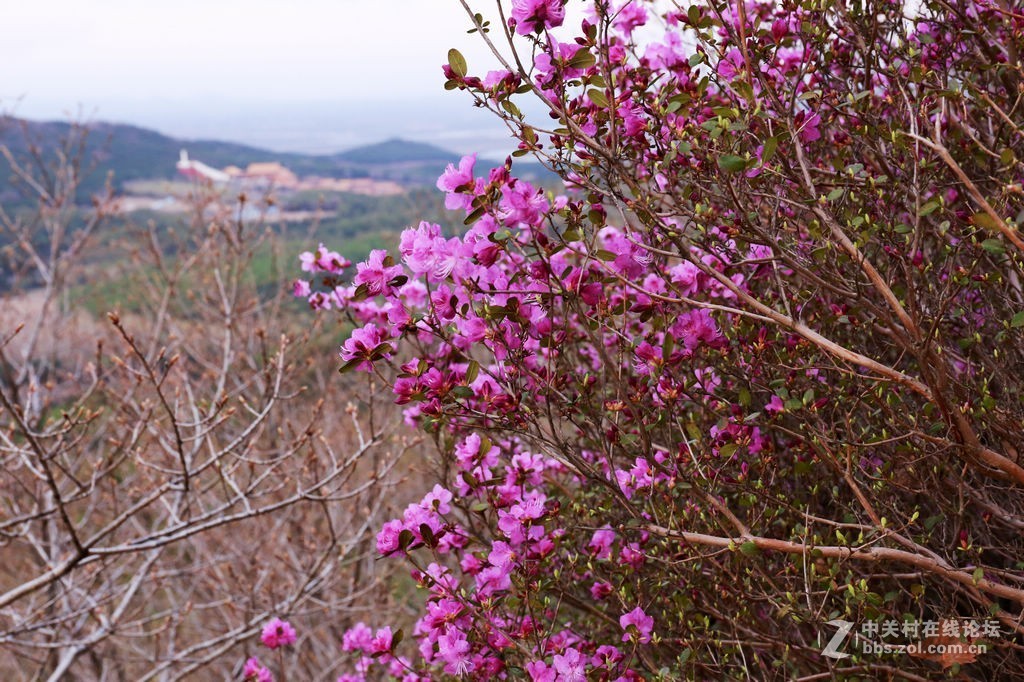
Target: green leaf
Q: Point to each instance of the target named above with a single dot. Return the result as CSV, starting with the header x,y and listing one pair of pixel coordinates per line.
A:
x,y
993,246
462,392
732,164
770,145
350,365
1017,320
361,292
428,536
667,347
472,371
581,60
749,548
984,220
511,108
597,97
457,62
381,350
474,216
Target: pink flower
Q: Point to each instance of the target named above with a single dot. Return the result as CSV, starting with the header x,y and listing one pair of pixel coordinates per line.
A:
x,y
255,672
533,16
641,623
807,126
277,633
570,666
381,642
539,671
601,542
452,178
600,589
362,344
501,555
387,538
323,260
523,204
356,638
454,649
629,17
426,252
458,183
731,64
438,500
377,272
695,328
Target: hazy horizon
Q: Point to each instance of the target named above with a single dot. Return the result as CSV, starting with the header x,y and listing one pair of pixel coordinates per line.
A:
x,y
450,122
317,76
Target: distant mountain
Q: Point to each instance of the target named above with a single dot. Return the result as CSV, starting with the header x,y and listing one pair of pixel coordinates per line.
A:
x,y
396,151
132,153
126,153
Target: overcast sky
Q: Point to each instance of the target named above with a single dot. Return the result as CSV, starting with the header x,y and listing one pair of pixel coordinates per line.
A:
x,y
197,67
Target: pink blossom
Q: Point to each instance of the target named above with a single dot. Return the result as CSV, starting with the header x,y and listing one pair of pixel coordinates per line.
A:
x,y
458,182
523,205
377,272
501,555
387,538
775,405
695,328
357,638
277,633
629,17
438,500
807,126
641,623
363,343
381,642
533,16
570,666
539,671
323,260
454,650
254,671
601,589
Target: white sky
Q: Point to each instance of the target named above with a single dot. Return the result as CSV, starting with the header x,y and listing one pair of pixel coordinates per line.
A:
x,y
305,49
160,62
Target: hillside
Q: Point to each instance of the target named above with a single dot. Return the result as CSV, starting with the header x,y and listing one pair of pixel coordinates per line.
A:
x,y
132,153
395,151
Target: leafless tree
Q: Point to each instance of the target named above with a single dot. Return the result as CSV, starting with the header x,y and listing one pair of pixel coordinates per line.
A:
x,y
175,470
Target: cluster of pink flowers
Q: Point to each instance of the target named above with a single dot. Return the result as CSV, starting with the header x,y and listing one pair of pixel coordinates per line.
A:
x,y
585,362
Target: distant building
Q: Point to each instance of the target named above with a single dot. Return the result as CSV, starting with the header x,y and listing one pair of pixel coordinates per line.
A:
x,y
266,174
199,170
270,173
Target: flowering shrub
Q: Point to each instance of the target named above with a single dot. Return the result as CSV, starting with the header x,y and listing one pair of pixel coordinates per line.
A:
x,y
758,368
